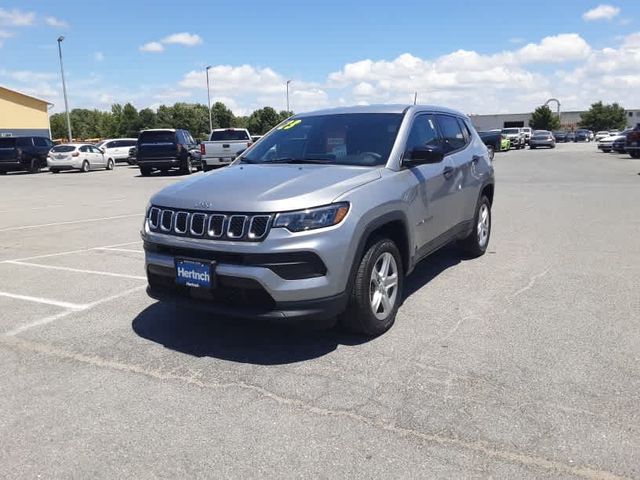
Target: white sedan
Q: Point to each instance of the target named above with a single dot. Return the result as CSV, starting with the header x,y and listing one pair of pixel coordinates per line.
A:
x,y
77,156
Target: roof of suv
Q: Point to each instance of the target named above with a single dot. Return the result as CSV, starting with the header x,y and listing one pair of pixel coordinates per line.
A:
x,y
392,108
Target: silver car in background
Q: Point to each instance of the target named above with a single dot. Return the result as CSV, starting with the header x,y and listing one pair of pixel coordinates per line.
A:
x,y
323,217
542,138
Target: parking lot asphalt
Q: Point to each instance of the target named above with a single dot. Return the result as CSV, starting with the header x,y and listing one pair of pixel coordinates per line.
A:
x,y
524,363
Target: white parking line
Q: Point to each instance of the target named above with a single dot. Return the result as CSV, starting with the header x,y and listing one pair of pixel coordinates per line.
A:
x,y
88,220
77,270
118,250
89,306
46,301
69,252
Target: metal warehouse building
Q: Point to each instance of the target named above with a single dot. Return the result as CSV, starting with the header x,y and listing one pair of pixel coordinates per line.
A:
x,y
22,114
569,120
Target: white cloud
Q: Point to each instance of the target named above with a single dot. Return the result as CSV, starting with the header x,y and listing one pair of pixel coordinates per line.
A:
x,y
184,38
152,47
601,12
56,22
98,56
16,18
555,49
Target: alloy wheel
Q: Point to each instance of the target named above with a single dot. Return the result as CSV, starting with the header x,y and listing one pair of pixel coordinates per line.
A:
x,y
383,285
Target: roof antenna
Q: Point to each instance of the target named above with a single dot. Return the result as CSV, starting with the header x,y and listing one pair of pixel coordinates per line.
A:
x,y
415,98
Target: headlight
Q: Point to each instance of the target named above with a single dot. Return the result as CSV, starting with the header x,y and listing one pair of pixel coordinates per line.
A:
x,y
312,218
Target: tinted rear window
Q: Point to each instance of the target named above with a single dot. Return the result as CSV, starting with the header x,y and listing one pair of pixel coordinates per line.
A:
x,y
7,142
157,137
63,148
228,135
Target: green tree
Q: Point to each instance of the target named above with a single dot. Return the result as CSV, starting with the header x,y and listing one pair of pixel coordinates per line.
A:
x,y
604,117
222,116
262,120
148,118
129,125
58,122
543,118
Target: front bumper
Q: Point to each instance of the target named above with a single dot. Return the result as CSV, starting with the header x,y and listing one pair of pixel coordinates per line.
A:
x,y
279,273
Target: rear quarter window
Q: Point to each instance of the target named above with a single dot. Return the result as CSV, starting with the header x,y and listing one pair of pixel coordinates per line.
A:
x,y
63,148
7,142
451,132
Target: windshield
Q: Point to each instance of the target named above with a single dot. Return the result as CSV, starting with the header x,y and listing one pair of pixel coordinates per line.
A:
x,y
63,148
362,139
228,135
158,137
511,131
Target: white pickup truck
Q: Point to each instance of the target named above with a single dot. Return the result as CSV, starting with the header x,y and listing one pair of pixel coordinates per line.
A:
x,y
223,146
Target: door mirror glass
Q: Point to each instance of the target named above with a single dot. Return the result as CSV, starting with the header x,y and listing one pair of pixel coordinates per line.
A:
x,y
420,155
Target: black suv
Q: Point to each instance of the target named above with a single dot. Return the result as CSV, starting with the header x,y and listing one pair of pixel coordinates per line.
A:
x,y
23,153
164,149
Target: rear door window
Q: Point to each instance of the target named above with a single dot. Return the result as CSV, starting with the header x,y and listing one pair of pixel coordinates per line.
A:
x,y
24,142
454,138
40,142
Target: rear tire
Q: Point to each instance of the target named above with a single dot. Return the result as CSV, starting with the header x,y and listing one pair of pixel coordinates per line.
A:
x,y
145,171
33,166
54,170
187,167
531,147
110,164
377,290
85,167
476,243
635,153
3,172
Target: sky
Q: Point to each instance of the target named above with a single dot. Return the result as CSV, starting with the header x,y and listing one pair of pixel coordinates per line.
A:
x,y
478,57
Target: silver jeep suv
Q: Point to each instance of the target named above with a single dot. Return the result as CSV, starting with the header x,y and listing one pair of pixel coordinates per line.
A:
x,y
323,217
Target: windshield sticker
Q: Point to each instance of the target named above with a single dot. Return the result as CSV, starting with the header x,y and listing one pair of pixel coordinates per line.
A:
x,y
289,125
336,146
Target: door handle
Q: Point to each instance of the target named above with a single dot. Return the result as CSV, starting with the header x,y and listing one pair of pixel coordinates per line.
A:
x,y
447,172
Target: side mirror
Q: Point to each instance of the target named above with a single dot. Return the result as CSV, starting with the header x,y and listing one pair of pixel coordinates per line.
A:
x,y
103,150
423,155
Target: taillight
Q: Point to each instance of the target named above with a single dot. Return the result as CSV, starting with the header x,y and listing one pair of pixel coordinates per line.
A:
x,y
202,149
75,154
179,147
249,144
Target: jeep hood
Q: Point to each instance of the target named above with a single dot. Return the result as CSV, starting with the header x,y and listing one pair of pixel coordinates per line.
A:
x,y
265,188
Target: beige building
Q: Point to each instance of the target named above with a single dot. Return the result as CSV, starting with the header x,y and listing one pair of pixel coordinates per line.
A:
x,y
22,114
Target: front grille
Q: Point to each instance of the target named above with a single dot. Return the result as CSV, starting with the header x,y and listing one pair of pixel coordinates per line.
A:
x,y
219,226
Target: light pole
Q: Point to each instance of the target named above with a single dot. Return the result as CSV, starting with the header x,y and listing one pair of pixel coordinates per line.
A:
x,y
557,103
288,82
209,100
64,88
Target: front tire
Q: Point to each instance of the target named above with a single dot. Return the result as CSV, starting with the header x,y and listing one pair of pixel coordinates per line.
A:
x,y
145,171
476,243
85,167
54,170
110,164
377,290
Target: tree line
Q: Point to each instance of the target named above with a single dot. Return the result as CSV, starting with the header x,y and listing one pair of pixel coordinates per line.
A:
x,y
127,121
598,117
